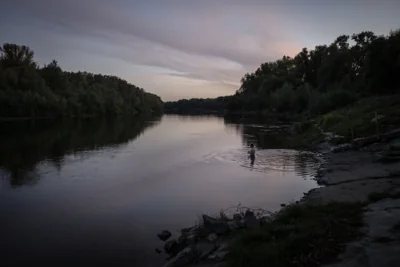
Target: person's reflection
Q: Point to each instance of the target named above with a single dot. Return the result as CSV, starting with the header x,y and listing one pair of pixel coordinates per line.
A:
x,y
252,154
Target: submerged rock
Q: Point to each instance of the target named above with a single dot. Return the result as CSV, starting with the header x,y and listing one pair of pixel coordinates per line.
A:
x,y
164,235
217,226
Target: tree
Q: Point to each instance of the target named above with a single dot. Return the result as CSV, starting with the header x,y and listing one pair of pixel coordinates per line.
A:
x,y
13,55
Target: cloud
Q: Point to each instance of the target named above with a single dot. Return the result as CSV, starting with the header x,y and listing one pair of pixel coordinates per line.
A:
x,y
212,41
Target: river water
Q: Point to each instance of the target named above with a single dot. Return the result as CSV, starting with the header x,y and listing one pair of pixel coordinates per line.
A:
x,y
96,193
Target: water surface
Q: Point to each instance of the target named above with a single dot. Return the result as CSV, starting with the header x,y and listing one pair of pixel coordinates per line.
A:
x,y
95,193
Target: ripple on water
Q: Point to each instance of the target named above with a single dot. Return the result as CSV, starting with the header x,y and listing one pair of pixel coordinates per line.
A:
x,y
303,163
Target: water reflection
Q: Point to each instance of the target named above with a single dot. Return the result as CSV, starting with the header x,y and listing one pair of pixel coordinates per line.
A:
x,y
273,152
25,144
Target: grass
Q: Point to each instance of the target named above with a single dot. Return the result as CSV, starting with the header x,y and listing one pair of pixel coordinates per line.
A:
x,y
301,235
357,117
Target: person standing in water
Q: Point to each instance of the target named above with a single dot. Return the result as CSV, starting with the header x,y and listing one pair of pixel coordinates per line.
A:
x,y
252,154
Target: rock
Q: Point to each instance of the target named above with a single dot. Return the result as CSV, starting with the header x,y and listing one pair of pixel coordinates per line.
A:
x,y
237,216
252,223
248,213
191,239
204,249
220,254
341,148
164,235
283,205
188,229
212,237
185,257
172,247
217,226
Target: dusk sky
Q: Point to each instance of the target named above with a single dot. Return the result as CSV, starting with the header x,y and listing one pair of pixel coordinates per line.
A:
x,y
184,48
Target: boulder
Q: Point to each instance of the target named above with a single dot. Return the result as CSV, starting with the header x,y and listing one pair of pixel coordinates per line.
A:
x,y
217,226
164,235
204,249
220,253
172,247
212,237
341,148
188,229
191,239
185,257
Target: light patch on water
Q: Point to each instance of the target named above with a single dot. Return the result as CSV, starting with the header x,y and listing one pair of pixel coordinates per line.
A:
x,y
303,163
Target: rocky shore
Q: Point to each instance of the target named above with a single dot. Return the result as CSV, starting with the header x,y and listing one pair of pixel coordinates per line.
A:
x,y
368,174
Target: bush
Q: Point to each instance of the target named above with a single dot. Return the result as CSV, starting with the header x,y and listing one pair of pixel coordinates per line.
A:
x,y
322,103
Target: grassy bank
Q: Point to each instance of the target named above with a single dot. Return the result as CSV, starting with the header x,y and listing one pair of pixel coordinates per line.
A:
x,y
353,121
300,235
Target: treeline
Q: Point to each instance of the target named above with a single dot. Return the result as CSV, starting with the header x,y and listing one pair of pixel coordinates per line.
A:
x,y
197,105
319,80
27,90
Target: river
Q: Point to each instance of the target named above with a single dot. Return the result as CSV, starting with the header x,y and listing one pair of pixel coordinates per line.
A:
x,y
96,192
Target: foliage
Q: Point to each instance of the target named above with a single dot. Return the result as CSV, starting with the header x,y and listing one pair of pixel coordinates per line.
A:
x,y
29,91
315,81
300,235
359,117
196,106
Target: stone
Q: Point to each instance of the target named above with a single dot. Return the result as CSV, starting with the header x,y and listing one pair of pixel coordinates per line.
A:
x,y
191,239
217,226
252,223
204,249
342,147
212,237
164,235
188,229
185,257
172,247
220,253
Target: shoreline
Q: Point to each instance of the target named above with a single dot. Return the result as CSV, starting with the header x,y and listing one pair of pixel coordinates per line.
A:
x,y
366,180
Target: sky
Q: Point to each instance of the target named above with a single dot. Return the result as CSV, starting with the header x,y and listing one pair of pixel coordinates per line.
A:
x,y
184,48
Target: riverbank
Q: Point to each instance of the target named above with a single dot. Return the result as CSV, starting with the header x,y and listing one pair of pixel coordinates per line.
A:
x,y
353,219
